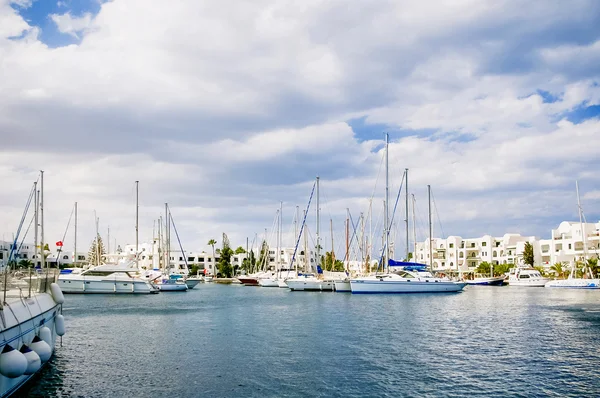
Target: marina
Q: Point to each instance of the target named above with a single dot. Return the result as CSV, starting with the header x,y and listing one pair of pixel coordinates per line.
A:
x,y
234,340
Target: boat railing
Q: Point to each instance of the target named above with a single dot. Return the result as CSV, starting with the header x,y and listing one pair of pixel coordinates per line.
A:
x,y
26,282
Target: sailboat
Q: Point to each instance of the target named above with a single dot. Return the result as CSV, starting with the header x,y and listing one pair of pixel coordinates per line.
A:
x,y
310,281
31,319
404,280
572,282
272,280
343,285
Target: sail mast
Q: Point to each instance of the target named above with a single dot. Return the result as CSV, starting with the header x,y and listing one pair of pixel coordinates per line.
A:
x,y
414,229
406,194
430,229
43,259
332,251
137,220
582,230
347,240
387,201
318,226
75,258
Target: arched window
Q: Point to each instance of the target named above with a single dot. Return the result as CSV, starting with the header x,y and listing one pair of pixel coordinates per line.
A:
x,y
495,253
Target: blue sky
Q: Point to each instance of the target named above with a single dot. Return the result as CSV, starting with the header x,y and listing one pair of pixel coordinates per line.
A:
x,y
38,14
223,110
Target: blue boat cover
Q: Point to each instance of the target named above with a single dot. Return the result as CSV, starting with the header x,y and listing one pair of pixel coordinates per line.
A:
x,y
408,265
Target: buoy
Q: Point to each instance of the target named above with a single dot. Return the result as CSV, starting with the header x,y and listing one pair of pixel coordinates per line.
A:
x,y
57,294
33,360
41,348
59,325
46,334
12,362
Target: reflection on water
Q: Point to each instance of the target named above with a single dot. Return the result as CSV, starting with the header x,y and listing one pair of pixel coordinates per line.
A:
x,y
247,341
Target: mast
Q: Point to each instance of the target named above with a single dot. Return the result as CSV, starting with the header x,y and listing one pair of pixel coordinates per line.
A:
x,y
414,229
75,258
296,237
362,237
277,255
332,251
406,194
430,229
318,223
161,257
582,231
35,216
137,220
387,201
108,241
43,259
306,254
166,234
347,240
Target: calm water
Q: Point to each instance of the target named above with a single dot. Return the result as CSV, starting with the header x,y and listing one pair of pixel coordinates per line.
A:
x,y
232,341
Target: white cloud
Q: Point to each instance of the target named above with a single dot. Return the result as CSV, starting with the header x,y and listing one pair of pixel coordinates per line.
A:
x,y
223,109
72,25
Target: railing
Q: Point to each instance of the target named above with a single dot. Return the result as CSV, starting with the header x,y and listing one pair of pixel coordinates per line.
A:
x,y
26,282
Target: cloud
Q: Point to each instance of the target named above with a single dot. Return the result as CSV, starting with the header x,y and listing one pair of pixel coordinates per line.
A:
x,y
72,25
225,109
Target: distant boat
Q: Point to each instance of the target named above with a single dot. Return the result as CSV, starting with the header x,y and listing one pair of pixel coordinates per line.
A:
x,y
486,280
309,282
526,276
572,282
106,278
405,281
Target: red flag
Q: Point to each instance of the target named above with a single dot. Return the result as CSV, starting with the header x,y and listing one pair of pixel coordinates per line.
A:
x,y
59,243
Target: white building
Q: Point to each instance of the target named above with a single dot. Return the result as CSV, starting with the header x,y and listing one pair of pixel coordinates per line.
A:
x,y
456,253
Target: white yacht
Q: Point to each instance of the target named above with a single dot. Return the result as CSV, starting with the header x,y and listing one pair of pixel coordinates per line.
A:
x,y
529,277
404,281
106,278
165,283
342,285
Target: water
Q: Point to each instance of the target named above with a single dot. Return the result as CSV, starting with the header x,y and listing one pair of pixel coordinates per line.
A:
x,y
232,341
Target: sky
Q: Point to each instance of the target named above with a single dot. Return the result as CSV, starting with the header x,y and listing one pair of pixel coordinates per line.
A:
x,y
225,109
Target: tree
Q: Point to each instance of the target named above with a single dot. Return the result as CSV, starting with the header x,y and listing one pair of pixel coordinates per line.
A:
x,y
224,265
593,268
263,258
528,256
558,269
327,261
212,243
96,251
25,263
249,262
240,250
483,268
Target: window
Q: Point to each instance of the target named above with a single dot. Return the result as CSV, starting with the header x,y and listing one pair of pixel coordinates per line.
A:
x,y
472,254
209,259
473,264
271,251
80,258
191,259
200,259
570,246
271,259
443,264
473,244
150,257
65,257
302,253
523,276
497,244
180,258
451,264
483,243
495,253
1,255
461,255
451,245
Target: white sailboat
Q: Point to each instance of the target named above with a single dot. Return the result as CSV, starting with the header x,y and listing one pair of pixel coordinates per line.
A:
x,y
572,282
167,281
401,281
309,281
31,320
343,285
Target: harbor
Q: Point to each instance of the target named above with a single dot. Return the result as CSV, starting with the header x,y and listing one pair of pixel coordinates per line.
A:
x,y
231,340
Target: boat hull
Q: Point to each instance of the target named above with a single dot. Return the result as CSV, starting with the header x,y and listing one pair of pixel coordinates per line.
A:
x,y
529,283
192,283
31,313
87,286
310,285
343,286
396,287
248,281
173,287
575,283
486,281
268,283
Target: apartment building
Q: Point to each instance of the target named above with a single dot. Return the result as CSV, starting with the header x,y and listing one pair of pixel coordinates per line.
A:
x,y
566,246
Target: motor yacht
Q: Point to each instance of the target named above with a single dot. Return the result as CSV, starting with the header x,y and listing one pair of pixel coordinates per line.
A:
x,y
526,276
105,278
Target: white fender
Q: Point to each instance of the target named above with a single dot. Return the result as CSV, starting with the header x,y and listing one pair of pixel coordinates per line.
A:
x,y
59,325
46,334
57,294
41,348
34,363
12,362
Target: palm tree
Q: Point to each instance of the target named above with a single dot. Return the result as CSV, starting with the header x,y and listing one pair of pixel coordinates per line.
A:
x,y
212,243
558,269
